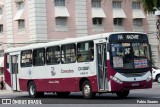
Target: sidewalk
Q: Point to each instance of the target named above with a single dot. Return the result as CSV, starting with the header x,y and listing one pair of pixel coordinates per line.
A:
x,y
5,91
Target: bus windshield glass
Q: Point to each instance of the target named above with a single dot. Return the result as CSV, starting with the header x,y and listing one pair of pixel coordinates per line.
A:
x,y
130,55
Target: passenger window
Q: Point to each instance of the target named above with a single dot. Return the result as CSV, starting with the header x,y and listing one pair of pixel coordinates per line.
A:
x,y
39,57
53,55
26,58
68,53
85,51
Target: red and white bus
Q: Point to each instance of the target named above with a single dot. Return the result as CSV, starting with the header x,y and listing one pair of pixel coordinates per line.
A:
x,y
103,63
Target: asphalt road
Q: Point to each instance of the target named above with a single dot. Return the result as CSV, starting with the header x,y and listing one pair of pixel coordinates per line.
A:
x,y
143,97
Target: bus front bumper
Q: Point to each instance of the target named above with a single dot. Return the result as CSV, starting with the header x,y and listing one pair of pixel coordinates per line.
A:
x,y
115,86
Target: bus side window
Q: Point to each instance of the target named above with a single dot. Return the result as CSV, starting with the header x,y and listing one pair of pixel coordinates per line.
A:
x,y
53,55
26,58
85,51
39,57
68,53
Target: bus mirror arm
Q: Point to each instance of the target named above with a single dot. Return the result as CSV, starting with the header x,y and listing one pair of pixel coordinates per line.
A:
x,y
108,47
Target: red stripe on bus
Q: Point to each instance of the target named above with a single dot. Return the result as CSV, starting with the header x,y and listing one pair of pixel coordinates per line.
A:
x,y
58,84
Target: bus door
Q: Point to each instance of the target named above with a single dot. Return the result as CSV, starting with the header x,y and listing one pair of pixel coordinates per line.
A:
x,y
14,71
101,64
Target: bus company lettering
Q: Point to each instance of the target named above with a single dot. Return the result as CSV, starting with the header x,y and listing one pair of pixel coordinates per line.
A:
x,y
67,71
54,82
132,37
83,68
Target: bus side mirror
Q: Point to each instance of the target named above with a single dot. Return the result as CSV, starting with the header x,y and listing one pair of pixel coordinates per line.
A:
x,y
108,47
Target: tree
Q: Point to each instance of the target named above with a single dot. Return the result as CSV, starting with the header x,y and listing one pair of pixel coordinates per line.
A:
x,y
151,6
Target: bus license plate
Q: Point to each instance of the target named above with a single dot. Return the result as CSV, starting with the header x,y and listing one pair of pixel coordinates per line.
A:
x,y
135,84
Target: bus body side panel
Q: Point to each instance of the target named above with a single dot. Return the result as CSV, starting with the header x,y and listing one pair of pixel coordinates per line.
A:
x,y
23,83
94,83
58,84
110,73
7,74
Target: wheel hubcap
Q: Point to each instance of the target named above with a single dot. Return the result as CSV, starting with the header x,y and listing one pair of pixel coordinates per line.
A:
x,y
87,90
32,90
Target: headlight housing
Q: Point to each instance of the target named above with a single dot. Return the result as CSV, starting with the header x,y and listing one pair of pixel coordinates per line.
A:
x,y
116,79
149,78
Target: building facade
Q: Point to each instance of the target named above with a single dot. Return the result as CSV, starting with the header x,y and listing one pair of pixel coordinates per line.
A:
x,y
32,21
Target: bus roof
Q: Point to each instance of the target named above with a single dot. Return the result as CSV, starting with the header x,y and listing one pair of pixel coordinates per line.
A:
x,y
64,41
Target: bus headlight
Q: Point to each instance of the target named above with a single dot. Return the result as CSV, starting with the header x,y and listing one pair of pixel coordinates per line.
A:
x,y
149,78
116,79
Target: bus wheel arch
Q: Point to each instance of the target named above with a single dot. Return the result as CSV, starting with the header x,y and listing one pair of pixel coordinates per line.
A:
x,y
32,90
81,82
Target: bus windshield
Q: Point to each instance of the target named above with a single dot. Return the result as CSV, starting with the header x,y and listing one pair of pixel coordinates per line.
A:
x,y
130,55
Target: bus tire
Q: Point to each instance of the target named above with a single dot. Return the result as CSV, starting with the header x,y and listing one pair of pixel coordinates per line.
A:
x,y
62,94
87,90
32,91
123,94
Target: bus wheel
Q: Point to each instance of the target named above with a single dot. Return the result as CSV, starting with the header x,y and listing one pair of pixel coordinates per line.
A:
x,y
123,94
87,90
62,94
32,90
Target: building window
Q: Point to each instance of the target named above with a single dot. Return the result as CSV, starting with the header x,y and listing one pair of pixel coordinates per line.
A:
x,y
118,21
61,21
137,22
68,53
53,55
1,28
85,51
117,4
96,3
59,2
20,5
97,21
61,24
39,57
26,58
135,5
21,24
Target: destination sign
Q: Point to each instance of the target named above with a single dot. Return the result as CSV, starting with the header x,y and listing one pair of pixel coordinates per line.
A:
x,y
128,37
